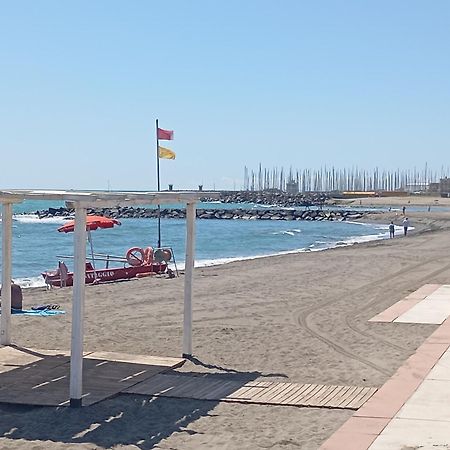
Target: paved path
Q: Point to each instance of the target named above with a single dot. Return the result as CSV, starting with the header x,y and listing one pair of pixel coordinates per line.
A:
x,y
411,411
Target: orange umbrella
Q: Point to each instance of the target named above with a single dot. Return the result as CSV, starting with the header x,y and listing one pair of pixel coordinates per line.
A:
x,y
92,223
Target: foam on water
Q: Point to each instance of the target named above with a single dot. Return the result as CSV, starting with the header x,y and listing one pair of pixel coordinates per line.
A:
x,y
34,218
328,245
288,232
30,282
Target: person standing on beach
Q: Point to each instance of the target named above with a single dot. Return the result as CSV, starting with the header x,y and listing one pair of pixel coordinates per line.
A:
x,y
404,210
391,230
405,226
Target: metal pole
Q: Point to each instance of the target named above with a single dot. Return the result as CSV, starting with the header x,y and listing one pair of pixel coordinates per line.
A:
x,y
159,186
92,253
5,318
157,155
76,354
188,272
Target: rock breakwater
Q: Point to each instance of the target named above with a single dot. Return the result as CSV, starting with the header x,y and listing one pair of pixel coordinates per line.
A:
x,y
274,198
226,214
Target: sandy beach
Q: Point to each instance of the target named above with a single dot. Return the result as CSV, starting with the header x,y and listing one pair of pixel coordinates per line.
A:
x,y
299,318
413,200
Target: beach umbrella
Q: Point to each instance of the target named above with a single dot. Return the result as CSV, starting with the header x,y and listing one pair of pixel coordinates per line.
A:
x,y
92,223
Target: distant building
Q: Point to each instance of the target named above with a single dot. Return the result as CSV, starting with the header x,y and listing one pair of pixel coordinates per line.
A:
x,y
292,187
358,194
416,187
444,186
392,193
434,187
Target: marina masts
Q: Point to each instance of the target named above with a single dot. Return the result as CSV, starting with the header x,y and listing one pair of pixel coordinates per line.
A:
x,y
328,179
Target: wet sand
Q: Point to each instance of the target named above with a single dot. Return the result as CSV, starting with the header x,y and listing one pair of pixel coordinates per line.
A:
x,y
300,318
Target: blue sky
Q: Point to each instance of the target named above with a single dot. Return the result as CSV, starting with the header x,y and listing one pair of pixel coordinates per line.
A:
x,y
285,84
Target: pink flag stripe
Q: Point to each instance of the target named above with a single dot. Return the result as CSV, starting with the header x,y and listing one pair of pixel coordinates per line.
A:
x,y
165,135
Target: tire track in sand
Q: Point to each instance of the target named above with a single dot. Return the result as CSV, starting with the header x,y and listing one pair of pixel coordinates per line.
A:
x,y
303,316
350,319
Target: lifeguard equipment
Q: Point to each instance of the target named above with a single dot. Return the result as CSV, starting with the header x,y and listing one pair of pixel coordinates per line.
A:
x,y
148,255
167,255
145,274
135,256
162,255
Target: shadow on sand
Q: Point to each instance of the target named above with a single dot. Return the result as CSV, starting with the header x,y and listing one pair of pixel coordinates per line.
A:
x,y
126,419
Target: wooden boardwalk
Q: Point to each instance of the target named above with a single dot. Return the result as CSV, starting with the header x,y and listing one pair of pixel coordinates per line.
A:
x,y
41,377
212,387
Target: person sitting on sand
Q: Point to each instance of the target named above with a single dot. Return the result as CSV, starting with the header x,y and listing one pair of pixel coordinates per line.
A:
x,y
16,296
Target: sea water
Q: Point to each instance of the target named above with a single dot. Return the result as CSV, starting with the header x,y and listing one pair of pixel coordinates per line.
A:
x,y
37,245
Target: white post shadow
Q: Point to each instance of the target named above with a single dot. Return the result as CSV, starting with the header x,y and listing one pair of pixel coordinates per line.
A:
x,y
188,272
78,295
5,317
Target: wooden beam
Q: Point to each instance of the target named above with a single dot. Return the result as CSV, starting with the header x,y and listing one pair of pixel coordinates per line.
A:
x,y
91,199
76,353
5,318
188,273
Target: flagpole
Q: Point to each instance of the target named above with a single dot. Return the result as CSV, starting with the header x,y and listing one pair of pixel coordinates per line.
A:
x,y
159,186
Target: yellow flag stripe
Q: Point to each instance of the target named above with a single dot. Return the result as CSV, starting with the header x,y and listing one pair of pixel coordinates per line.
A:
x,y
166,153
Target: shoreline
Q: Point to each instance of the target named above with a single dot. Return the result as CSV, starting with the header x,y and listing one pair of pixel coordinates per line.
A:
x,y
37,281
368,219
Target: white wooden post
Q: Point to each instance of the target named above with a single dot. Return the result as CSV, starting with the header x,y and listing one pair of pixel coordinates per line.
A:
x,y
188,272
76,353
5,318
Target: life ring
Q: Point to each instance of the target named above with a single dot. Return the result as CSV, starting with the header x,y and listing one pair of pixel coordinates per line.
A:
x,y
135,256
148,256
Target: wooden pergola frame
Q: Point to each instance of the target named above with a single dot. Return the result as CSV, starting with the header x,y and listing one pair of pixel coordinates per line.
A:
x,y
80,201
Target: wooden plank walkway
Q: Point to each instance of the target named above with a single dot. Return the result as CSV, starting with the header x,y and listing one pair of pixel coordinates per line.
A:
x,y
41,377
213,387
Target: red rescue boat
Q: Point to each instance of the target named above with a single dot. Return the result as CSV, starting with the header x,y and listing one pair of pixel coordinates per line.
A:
x,y
136,263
